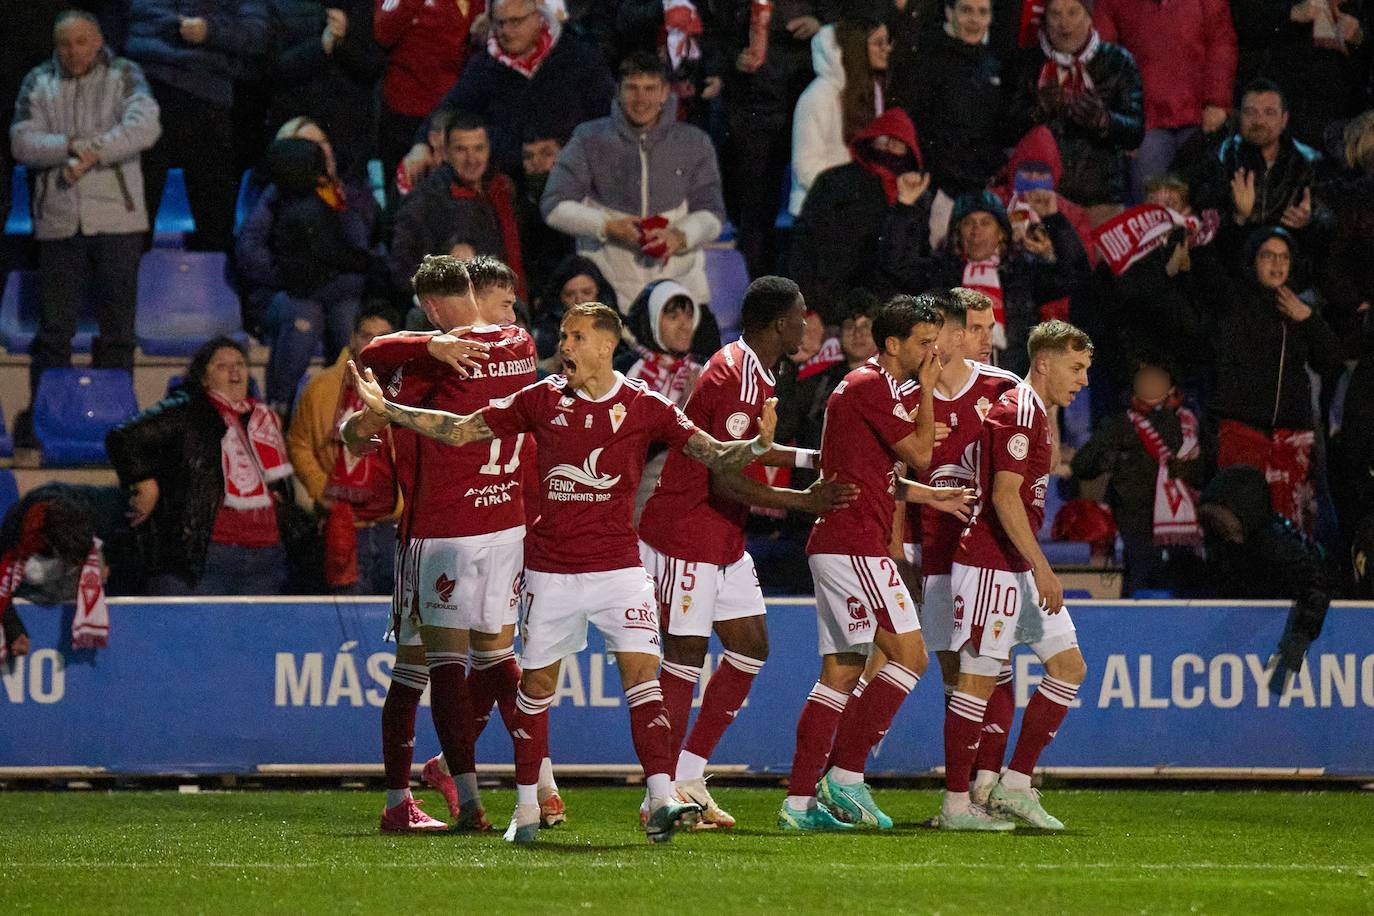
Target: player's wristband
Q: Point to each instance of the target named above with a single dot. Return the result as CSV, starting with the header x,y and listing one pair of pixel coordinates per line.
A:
x,y
805,458
758,448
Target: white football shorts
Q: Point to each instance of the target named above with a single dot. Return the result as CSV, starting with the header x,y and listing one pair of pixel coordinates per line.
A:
x,y
995,610
693,596
855,596
557,607
466,583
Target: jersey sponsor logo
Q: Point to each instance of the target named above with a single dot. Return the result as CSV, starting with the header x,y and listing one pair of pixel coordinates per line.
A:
x,y
443,590
1042,487
983,407
617,416
858,615
393,387
901,413
492,494
564,479
737,423
958,609
559,420
1018,446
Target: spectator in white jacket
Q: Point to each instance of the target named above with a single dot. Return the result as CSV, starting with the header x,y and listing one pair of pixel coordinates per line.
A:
x,y
80,123
850,59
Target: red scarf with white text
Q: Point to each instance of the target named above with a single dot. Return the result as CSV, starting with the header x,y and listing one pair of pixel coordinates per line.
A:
x,y
91,623
529,62
254,458
1175,505
1068,71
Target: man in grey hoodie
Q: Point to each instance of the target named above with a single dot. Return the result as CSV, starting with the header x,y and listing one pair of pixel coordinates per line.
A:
x,y
639,189
80,123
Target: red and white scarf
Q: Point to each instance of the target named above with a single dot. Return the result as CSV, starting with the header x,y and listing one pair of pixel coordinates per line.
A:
x,y
252,459
1032,16
1125,239
1068,71
365,483
529,62
669,375
682,25
984,277
1175,507
91,624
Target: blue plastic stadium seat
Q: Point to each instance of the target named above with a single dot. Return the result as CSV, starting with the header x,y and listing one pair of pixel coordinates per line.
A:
x,y
9,490
249,193
1080,593
19,314
174,210
183,301
75,408
1067,553
728,278
20,220
6,438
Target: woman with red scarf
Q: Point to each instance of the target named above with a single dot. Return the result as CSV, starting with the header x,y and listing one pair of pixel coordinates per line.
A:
x,y
208,479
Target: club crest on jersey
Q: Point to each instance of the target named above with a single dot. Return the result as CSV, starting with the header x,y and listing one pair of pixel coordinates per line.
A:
x,y
983,408
587,422
617,416
1018,446
686,604
565,402
901,601
737,423
997,627
953,420
901,413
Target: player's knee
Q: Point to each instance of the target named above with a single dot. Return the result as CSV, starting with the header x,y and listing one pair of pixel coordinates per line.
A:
x,y
949,667
1067,666
685,650
539,682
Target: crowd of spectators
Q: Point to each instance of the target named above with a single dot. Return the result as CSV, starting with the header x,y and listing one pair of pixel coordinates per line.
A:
x,y
1191,181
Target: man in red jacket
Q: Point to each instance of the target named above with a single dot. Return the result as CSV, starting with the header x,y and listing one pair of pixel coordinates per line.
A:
x,y
1186,52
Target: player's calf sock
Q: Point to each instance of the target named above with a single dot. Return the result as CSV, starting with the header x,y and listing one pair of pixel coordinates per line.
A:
x,y
467,789
494,676
546,780
530,733
679,683
722,700
398,728
963,725
992,746
652,731
820,717
1044,714
451,709
850,710
872,716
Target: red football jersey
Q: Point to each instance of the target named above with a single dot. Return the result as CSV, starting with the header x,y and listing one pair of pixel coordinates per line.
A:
x,y
1016,438
457,491
954,461
591,456
683,518
865,416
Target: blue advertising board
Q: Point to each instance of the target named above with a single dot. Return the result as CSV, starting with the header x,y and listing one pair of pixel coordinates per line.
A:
x,y
227,686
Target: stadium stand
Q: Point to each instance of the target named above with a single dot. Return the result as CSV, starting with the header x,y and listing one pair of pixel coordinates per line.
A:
x,y
183,300
19,315
75,408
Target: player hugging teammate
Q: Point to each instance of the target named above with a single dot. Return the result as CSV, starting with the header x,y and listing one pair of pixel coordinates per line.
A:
x,y
479,416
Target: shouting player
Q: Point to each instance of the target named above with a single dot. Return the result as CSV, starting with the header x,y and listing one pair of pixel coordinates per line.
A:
x,y
692,536
860,598
462,531
1006,593
582,565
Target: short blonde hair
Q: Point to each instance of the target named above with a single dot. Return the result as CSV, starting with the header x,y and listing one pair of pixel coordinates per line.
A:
x,y
293,127
1359,143
1055,336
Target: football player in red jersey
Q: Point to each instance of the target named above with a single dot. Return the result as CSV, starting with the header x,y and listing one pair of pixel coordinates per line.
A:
x,y
592,426
861,599
1006,593
462,531
692,536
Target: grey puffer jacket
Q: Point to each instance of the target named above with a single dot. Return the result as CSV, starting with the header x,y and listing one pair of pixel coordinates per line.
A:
x,y
610,169
110,107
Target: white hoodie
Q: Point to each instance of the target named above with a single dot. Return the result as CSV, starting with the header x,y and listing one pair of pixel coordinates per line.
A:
x,y
818,123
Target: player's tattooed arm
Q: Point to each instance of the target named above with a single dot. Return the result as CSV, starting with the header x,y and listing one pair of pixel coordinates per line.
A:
x,y
360,430
439,425
730,457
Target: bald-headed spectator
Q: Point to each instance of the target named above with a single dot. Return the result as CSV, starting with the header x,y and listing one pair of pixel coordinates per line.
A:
x,y
80,123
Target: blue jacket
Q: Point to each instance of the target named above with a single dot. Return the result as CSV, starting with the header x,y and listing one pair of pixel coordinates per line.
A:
x,y
236,33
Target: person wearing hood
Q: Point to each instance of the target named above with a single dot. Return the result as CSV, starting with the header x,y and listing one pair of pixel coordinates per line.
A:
x,y
81,121
1034,165
574,281
836,239
532,71
465,197
1088,93
653,228
1254,552
981,254
1263,396
849,91
953,89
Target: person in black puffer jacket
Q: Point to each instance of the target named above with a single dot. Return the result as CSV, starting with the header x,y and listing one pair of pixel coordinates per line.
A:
x,y
1089,93
200,532
323,63
953,89
1263,398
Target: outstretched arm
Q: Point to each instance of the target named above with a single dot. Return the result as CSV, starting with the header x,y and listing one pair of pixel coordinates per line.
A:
x,y
439,425
729,457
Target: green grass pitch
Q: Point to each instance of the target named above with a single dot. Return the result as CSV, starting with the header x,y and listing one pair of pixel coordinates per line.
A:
x,y
319,852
